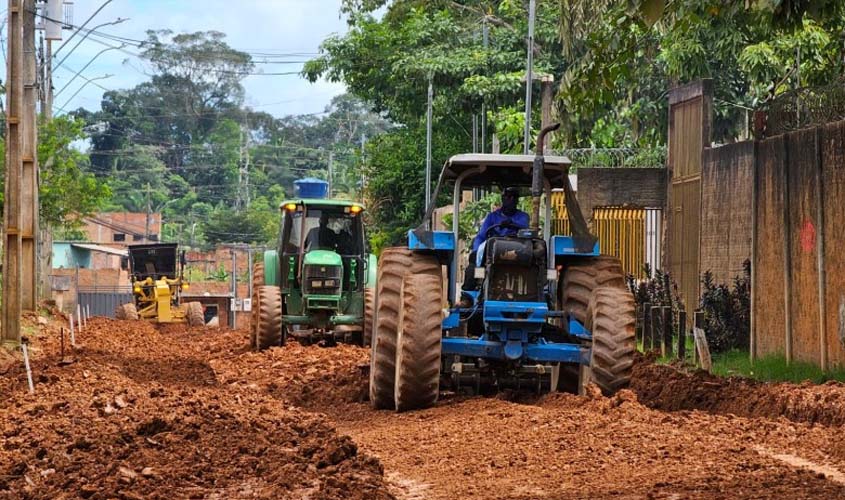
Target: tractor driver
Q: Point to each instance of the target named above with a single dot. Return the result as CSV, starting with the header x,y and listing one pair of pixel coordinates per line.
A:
x,y
507,220
321,237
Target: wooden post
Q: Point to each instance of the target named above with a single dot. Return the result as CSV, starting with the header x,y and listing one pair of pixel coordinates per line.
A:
x,y
682,334
667,331
656,325
12,220
701,341
647,326
29,161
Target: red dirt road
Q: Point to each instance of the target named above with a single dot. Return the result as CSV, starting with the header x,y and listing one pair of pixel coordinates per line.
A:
x,y
145,413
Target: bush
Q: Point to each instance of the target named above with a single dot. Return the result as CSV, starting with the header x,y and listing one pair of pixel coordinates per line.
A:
x,y
727,311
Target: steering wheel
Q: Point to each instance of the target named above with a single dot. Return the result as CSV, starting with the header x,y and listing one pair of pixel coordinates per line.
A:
x,y
503,224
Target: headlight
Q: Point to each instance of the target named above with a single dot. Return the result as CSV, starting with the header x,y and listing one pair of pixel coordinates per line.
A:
x,y
316,284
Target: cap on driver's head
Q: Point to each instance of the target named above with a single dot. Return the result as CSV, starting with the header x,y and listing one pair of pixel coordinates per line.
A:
x,y
512,192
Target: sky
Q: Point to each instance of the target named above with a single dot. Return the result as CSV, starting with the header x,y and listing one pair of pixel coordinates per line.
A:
x,y
272,26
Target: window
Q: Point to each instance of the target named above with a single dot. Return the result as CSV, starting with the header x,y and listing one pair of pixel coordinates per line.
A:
x,y
137,237
324,229
118,237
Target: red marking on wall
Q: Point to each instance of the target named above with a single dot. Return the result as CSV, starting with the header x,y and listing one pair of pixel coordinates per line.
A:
x,y
808,237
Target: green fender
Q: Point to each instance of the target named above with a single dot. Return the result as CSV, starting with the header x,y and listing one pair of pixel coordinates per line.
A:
x,y
271,268
372,271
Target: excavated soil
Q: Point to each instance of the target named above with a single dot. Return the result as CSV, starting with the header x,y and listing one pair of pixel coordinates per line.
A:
x,y
677,390
141,414
177,413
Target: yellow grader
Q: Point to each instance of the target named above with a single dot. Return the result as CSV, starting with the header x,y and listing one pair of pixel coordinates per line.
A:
x,y
157,285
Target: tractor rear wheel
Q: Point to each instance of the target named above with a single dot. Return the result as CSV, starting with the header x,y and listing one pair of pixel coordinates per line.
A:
x,y
394,264
418,343
266,327
369,312
582,277
612,321
257,275
195,314
127,311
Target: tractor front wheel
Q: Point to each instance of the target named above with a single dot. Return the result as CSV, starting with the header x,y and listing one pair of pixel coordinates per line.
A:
x,y
195,314
581,277
418,343
394,264
266,327
612,321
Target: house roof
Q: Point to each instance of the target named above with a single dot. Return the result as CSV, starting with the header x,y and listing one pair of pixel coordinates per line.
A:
x,y
101,248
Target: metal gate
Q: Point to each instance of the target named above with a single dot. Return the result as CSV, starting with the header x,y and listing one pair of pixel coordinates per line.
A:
x,y
689,131
632,234
103,300
621,233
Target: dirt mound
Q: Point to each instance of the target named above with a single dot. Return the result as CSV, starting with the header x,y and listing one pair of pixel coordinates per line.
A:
x,y
141,414
311,377
667,388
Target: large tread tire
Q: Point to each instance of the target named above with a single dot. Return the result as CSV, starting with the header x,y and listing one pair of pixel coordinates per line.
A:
x,y
369,313
394,264
127,311
418,343
195,314
612,321
582,277
266,324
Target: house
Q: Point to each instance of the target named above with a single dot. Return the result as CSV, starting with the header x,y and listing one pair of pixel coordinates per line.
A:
x,y
122,228
73,254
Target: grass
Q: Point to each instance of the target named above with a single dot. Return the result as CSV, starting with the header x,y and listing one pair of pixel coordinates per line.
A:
x,y
772,368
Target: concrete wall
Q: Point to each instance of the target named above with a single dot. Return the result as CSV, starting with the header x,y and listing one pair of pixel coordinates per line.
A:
x,y
634,187
727,176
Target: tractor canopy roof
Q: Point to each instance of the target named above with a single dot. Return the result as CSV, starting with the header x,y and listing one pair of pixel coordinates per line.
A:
x,y
499,169
317,202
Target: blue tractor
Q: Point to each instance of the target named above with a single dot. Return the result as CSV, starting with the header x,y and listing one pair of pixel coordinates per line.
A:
x,y
551,312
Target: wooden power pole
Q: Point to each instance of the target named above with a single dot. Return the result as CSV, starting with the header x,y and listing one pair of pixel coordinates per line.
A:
x,y
10,316
29,193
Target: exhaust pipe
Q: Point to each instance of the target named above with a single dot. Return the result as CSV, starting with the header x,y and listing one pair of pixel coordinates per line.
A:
x,y
537,178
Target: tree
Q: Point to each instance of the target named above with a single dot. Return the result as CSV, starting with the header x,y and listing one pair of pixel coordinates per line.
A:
x,y
67,191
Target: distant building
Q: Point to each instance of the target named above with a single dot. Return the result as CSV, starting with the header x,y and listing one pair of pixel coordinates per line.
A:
x,y
121,228
73,254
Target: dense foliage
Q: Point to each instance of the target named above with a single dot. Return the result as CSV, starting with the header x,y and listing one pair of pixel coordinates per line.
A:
x,y
613,62
183,143
727,311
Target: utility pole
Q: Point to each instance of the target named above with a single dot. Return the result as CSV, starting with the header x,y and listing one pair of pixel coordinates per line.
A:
x,y
12,268
149,214
331,159
234,279
546,108
29,194
529,77
363,177
428,145
485,41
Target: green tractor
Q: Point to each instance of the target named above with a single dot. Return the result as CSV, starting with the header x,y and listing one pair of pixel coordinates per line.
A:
x,y
319,283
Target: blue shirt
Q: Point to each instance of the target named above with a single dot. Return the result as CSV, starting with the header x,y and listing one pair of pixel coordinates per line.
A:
x,y
518,219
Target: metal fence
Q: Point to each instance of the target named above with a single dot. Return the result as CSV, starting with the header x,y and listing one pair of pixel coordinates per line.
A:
x,y
632,234
103,300
805,107
615,157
